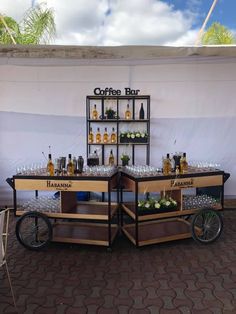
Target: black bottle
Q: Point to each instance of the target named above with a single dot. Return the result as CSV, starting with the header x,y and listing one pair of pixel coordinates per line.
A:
x,y
141,112
80,164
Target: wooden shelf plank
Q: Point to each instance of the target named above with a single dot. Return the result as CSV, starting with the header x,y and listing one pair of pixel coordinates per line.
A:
x,y
159,231
129,208
82,233
117,120
96,211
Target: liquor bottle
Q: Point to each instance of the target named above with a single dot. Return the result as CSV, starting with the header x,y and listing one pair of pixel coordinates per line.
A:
x,y
75,164
98,136
105,137
111,158
127,113
50,166
90,137
167,165
70,166
95,113
141,112
80,164
93,159
183,164
113,136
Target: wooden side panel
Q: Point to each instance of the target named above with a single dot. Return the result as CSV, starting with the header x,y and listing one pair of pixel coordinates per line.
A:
x,y
128,184
114,182
61,185
68,201
176,195
183,183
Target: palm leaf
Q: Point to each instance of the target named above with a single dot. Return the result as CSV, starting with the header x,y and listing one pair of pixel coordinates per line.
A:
x,y
38,26
218,34
12,28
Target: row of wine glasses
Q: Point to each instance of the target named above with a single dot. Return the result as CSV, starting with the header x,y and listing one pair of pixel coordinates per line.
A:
x,y
41,169
42,204
32,169
142,170
204,165
99,170
198,201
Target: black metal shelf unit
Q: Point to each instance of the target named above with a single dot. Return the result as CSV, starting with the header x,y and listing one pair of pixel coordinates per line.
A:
x,y
116,101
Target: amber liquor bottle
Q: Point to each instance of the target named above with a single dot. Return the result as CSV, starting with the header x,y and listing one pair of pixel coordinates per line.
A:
x,y
183,164
98,136
50,166
127,113
105,137
90,137
95,112
70,166
167,165
111,159
113,136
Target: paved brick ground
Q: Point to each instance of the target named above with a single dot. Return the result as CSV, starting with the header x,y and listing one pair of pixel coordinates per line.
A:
x,y
176,277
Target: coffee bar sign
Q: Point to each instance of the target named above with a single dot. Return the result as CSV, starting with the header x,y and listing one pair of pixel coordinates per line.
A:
x,y
109,91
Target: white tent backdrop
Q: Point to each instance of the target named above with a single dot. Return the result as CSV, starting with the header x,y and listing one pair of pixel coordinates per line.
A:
x,y
192,109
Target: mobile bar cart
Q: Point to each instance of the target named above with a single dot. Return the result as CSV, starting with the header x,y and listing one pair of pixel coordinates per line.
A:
x,y
73,222
148,228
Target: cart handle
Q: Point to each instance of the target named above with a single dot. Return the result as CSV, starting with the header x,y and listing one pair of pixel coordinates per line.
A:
x,y
10,181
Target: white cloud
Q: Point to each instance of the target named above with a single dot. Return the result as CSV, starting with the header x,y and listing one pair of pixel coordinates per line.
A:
x,y
140,22
15,9
145,22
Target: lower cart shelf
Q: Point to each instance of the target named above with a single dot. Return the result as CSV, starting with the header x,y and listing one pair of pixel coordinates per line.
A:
x,y
158,231
83,210
83,233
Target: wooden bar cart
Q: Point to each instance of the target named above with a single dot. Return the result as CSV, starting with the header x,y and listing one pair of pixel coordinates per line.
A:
x,y
149,227
73,222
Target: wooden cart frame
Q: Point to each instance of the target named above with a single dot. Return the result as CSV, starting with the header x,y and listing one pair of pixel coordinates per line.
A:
x,y
167,226
93,223
75,222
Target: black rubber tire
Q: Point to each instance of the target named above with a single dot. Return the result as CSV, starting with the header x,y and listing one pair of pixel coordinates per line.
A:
x,y
211,223
30,227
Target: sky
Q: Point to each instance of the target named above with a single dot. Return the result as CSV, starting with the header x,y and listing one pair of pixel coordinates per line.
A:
x,y
128,22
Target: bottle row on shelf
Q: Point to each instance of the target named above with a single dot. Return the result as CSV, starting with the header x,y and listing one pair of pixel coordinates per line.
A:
x,y
124,137
73,166
178,163
76,166
110,113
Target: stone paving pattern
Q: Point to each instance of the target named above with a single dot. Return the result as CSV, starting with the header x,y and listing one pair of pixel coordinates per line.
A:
x,y
175,277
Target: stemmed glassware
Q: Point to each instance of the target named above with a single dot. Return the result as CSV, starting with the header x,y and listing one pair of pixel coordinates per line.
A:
x,y
198,201
142,170
42,204
98,170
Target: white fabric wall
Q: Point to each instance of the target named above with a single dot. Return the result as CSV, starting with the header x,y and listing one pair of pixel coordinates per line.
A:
x,y
192,109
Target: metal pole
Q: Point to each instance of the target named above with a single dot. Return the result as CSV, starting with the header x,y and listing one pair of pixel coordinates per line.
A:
x,y
7,29
199,36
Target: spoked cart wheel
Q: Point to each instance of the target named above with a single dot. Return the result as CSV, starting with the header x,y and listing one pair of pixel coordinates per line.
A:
x,y
206,226
34,230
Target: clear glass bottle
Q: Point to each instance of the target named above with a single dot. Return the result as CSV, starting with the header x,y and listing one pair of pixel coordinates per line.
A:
x,y
127,113
70,166
167,165
111,159
50,166
98,136
90,137
95,112
183,164
105,137
113,136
